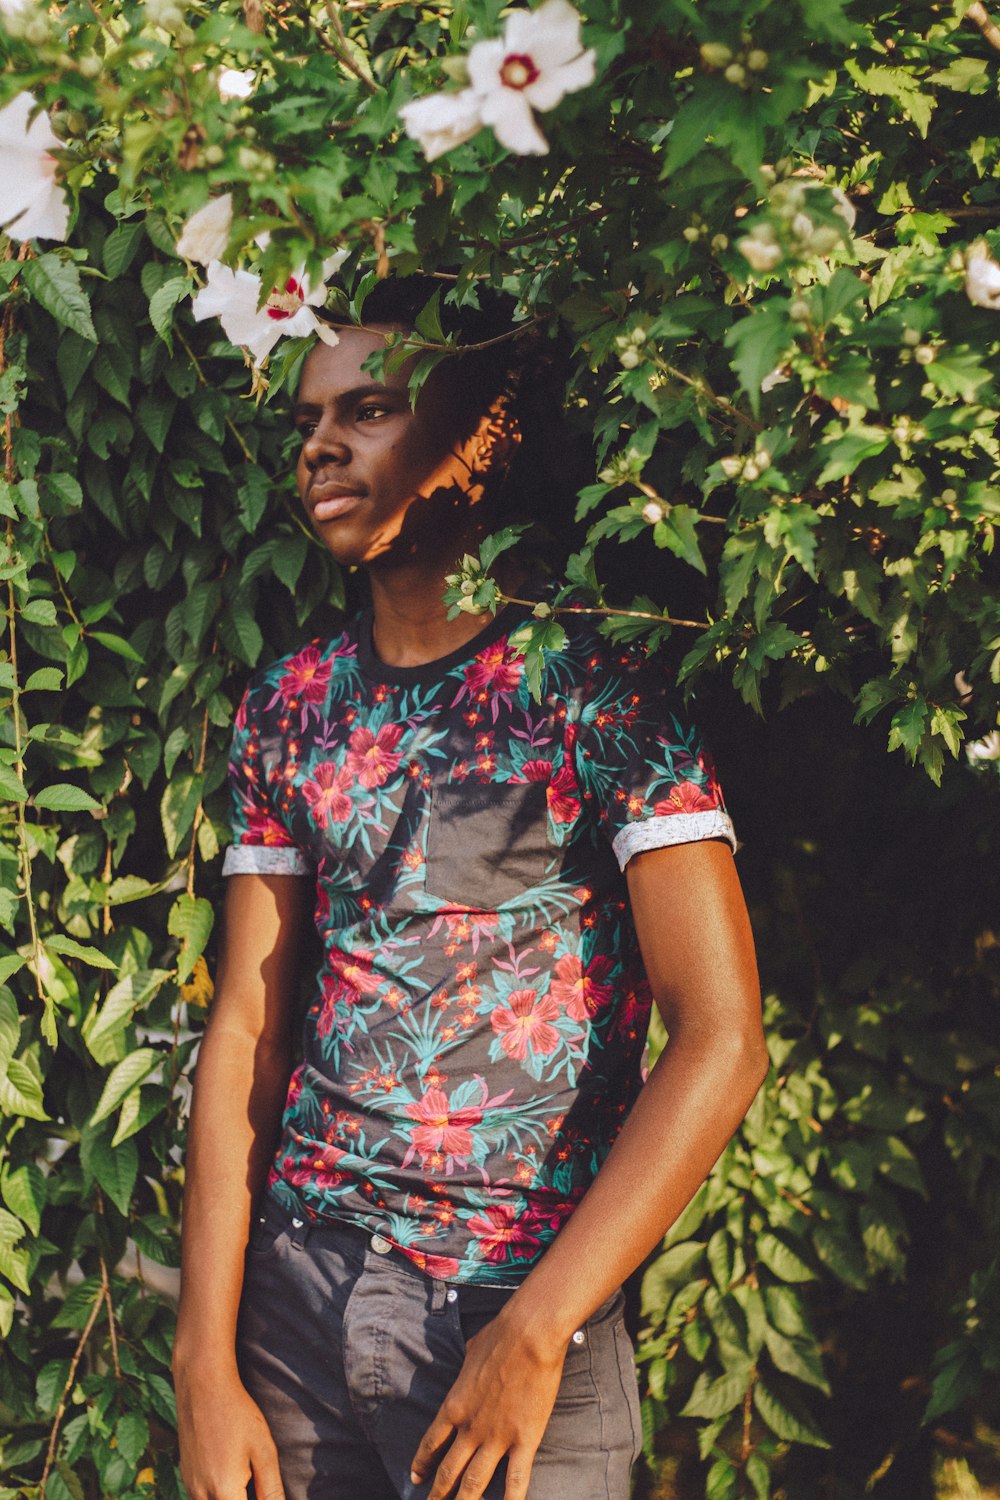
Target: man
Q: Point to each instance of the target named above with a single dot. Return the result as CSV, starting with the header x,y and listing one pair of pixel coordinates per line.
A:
x,y
466,1164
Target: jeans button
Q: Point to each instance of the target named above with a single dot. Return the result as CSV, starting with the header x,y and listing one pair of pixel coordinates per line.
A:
x,y
380,1244
451,1294
579,1336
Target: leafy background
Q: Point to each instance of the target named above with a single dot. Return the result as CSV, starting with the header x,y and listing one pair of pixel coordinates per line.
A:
x,y
825,1319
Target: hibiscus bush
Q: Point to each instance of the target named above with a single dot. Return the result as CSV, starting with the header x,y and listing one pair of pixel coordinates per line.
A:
x,y
767,234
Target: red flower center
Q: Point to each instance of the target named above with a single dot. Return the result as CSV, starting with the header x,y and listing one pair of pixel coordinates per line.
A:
x,y
285,304
518,71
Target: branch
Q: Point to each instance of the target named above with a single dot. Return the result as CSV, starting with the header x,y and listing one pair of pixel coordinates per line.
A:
x,y
631,614
979,16
70,1380
343,50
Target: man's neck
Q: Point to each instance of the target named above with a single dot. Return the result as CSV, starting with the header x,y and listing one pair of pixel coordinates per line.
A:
x,y
411,625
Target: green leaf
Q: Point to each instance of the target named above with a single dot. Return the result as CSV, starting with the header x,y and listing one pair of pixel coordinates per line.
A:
x,y
114,1168
12,788
841,1255
21,1092
51,1383
780,1258
105,1024
132,1436
716,1398
178,807
62,797
759,340
797,1357
44,680
116,644
25,1193
130,1071
59,943
54,284
190,920
786,1419
14,1266
63,1484
163,302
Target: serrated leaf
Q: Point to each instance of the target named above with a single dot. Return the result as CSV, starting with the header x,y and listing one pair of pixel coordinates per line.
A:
x,y
12,788
716,1398
798,1358
123,1076
163,302
50,1384
21,1092
791,1424
25,1194
63,797
54,284
190,920
132,1436
120,1004
114,1168
60,943
178,807
785,1262
44,680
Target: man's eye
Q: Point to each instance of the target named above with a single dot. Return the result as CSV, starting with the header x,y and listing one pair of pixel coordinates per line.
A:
x,y
305,429
372,409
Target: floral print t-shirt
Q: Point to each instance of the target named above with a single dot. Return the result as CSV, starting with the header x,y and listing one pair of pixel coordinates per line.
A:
x,y
476,1033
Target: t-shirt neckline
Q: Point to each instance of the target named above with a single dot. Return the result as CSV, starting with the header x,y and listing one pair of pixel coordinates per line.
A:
x,y
429,672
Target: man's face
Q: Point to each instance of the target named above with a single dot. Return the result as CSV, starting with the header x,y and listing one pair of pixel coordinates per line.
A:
x,y
378,480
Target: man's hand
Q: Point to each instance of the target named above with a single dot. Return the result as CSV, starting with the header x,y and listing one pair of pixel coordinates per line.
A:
x,y
225,1441
498,1408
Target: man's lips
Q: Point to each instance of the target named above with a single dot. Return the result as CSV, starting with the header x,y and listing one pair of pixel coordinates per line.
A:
x,y
328,501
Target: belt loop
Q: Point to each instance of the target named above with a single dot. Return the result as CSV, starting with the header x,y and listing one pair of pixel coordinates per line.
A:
x,y
299,1233
439,1296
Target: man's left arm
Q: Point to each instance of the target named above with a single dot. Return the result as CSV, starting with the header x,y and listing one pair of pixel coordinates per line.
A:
x,y
694,934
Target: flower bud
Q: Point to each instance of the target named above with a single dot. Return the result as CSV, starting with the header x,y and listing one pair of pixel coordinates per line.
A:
x,y
629,358
452,580
542,611
467,586
762,459
470,607
652,512
757,60
691,234
731,466
735,73
799,310
751,469
90,65
716,54
638,335
924,354
720,242
911,337
948,497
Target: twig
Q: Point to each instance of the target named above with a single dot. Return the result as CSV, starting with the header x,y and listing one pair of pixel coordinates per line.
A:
x,y
632,614
112,1331
979,16
64,1398
343,51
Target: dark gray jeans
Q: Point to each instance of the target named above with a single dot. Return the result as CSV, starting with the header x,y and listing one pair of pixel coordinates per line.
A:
x,y
349,1350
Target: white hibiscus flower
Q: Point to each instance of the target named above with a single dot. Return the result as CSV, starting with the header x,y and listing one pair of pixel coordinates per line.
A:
x,y
441,121
206,234
235,83
538,60
982,276
233,297
34,204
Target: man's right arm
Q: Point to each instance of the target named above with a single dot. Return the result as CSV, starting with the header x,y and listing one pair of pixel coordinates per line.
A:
x,y
242,1077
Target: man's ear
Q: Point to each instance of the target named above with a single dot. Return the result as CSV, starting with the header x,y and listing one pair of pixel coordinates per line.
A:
x,y
496,439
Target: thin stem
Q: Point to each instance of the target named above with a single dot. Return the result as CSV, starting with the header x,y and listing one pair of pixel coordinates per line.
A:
x,y
632,614
343,51
70,1380
203,380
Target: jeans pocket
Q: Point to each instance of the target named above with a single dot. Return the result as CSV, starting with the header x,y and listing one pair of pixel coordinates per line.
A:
x,y
487,845
264,1236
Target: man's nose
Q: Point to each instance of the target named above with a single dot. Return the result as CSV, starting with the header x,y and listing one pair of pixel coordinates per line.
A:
x,y
325,444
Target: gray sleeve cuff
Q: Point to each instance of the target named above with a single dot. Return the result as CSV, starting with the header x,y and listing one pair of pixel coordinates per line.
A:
x,y
675,828
265,859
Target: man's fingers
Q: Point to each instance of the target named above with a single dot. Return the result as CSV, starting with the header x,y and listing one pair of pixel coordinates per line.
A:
x,y
478,1474
519,1464
451,1468
267,1483
431,1444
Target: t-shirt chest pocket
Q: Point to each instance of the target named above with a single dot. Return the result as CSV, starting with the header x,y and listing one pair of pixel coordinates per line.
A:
x,y
487,845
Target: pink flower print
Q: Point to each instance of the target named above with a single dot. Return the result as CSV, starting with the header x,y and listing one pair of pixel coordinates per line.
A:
x,y
262,828
326,792
442,1130
524,1022
536,770
686,797
563,796
373,758
497,1231
306,677
581,992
